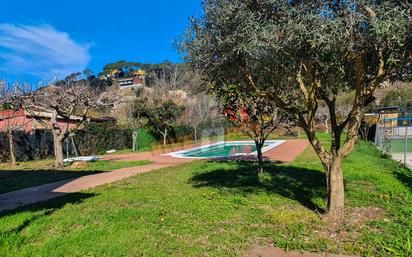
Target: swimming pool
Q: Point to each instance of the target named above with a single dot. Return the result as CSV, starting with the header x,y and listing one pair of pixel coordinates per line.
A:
x,y
225,149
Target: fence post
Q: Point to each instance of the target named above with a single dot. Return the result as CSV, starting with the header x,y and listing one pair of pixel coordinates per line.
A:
x,y
406,146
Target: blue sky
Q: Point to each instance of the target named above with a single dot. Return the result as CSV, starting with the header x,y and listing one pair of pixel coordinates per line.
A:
x,y
43,38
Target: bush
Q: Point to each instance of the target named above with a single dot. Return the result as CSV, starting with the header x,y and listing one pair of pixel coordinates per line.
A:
x,y
37,145
402,98
97,138
145,139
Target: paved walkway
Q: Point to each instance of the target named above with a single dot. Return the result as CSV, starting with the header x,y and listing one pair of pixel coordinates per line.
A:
x,y
15,199
287,151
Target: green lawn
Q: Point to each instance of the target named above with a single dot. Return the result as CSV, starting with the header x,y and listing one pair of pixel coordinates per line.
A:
x,y
222,209
36,173
114,165
398,146
126,151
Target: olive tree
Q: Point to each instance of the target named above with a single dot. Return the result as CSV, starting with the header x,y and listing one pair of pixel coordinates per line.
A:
x,y
159,114
299,54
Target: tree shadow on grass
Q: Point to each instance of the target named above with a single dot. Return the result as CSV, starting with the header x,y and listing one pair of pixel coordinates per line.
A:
x,y
299,184
11,180
405,177
42,209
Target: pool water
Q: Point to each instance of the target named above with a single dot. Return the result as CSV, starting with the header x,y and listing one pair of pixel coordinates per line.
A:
x,y
224,149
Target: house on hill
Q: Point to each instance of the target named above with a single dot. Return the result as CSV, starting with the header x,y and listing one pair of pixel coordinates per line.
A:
x,y
128,79
133,82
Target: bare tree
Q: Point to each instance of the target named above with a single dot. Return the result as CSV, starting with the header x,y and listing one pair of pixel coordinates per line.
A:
x,y
126,116
322,116
13,116
3,86
200,109
66,108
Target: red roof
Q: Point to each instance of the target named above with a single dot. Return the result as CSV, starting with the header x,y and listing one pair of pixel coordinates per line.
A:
x,y
11,113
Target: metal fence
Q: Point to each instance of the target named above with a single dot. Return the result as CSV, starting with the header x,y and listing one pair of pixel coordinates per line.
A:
x,y
394,137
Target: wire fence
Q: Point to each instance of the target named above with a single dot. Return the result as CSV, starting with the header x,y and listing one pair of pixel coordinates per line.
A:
x,y
394,137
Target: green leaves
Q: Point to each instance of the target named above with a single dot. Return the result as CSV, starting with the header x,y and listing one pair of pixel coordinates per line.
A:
x,y
301,54
159,114
259,34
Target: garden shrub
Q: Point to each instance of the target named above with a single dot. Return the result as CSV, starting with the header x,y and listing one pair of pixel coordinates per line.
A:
x,y
97,138
28,146
145,139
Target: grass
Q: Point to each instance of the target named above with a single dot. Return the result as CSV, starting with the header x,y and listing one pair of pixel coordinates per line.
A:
x,y
127,151
222,209
40,172
398,146
113,165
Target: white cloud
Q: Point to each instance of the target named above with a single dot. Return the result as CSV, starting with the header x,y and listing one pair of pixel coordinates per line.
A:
x,y
40,51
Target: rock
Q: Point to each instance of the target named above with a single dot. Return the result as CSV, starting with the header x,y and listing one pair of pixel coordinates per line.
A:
x,y
79,165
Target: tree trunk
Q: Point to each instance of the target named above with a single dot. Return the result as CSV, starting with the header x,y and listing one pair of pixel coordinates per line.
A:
x,y
67,149
11,147
58,163
336,190
58,151
326,125
195,131
260,157
165,137
75,147
134,135
332,163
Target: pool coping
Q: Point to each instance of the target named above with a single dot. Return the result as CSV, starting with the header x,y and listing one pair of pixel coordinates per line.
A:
x,y
179,154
